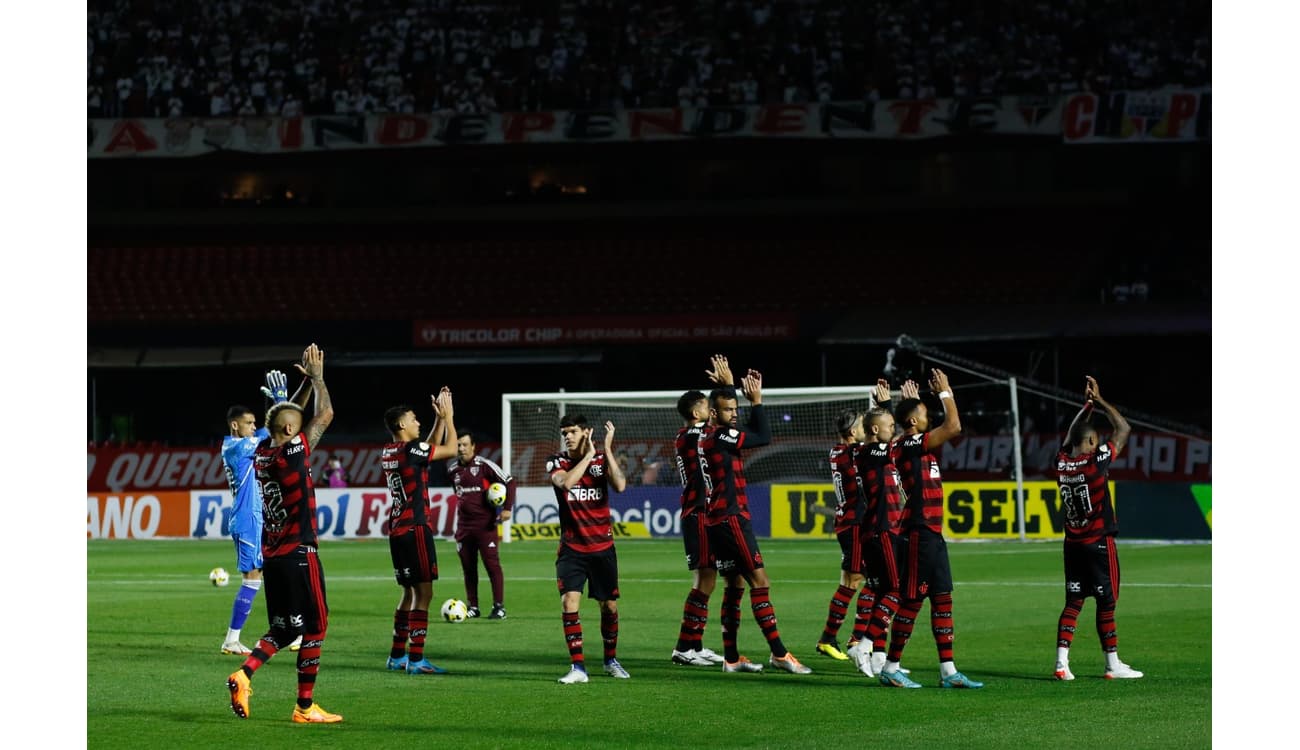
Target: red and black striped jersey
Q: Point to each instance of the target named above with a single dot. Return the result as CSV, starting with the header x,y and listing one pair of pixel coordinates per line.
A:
x,y
695,492
882,486
723,472
584,509
849,500
288,495
921,482
1085,496
406,472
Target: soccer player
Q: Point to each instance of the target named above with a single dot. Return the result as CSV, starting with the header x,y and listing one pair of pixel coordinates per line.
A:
x,y
928,573
405,462
1091,560
850,510
731,540
476,521
693,406
237,450
582,477
881,525
295,582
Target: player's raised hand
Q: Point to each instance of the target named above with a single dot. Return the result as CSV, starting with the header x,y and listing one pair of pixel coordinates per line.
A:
x,y
609,437
910,389
442,404
1090,390
277,386
939,381
721,372
313,362
588,445
883,392
752,386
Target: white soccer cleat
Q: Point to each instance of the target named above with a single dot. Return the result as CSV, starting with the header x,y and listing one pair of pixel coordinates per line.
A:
x,y
1063,672
235,647
576,674
614,669
297,644
860,654
690,658
711,655
1122,672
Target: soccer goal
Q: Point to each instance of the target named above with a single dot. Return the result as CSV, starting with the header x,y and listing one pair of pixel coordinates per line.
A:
x,y
646,422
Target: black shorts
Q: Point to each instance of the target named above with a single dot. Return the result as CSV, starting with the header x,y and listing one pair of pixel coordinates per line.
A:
x,y
850,549
598,570
1092,569
414,558
926,570
881,553
735,550
695,537
295,592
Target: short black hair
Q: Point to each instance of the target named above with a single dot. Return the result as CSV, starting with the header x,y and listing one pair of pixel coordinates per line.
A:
x,y
689,399
466,434
394,415
844,422
572,420
237,411
717,393
1079,431
905,409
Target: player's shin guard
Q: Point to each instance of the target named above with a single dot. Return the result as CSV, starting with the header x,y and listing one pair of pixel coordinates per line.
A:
x,y
765,616
901,631
243,605
866,603
881,616
695,613
1069,619
731,622
573,636
419,621
308,665
941,624
401,631
839,609
1106,626
609,633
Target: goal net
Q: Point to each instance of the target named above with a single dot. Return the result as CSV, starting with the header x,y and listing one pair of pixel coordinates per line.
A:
x,y
646,422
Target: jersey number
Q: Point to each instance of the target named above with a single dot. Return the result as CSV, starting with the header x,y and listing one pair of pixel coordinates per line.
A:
x,y
1077,502
398,492
273,512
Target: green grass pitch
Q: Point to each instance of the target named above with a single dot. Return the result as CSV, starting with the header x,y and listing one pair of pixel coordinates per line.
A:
x,y
156,678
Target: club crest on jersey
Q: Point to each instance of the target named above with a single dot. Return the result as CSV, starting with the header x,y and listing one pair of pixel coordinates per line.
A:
x,y
597,470
473,471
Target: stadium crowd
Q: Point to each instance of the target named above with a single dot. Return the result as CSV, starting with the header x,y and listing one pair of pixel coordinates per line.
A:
x,y
172,58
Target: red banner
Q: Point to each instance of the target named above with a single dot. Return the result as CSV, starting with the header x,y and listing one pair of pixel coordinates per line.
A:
x,y
1147,457
512,332
1115,117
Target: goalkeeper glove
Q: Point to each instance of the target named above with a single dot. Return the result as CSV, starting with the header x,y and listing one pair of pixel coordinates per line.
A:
x,y
277,386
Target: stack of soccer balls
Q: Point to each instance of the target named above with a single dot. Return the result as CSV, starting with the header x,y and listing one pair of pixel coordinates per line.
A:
x,y
219,577
454,610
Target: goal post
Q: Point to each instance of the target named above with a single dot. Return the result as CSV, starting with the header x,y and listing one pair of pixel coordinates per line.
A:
x,y
645,422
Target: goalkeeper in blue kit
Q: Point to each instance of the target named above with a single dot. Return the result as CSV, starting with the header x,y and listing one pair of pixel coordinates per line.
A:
x,y
237,450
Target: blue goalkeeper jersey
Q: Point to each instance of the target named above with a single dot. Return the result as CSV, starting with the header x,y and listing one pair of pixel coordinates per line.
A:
x,y
237,456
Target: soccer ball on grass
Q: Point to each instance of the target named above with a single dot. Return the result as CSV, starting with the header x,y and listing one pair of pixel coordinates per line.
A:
x,y
454,610
219,577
